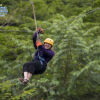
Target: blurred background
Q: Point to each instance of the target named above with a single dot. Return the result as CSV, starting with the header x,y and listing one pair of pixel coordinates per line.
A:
x,y
74,72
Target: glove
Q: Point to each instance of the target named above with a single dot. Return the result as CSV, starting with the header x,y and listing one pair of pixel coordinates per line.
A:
x,y
40,30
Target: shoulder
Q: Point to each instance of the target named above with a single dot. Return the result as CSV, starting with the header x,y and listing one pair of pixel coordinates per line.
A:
x,y
52,52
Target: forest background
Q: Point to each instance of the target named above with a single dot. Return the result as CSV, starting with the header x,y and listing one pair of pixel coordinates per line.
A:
x,y
74,72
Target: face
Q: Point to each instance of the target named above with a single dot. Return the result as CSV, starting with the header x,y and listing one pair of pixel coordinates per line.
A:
x,y
47,46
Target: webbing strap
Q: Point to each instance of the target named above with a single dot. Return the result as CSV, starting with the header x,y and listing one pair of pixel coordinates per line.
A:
x,y
41,59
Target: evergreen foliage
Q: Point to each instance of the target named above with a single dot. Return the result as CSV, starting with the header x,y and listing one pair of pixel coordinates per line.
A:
x,y
74,72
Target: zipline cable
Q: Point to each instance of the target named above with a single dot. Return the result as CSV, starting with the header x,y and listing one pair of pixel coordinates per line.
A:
x,y
87,13
77,17
15,31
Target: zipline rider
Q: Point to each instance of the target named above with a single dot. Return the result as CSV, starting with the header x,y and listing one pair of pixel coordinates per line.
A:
x,y
42,56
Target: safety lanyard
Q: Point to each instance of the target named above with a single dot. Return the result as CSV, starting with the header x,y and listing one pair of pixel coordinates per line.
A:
x,y
41,59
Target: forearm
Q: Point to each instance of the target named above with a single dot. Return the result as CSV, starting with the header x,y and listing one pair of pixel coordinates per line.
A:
x,y
34,38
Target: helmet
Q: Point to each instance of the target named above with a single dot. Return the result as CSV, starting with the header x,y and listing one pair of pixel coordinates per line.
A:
x,y
49,41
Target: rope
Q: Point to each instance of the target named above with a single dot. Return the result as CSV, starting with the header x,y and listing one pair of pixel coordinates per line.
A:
x,y
38,38
34,15
2,30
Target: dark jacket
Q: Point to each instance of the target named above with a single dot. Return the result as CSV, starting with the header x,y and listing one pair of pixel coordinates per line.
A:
x,y
47,54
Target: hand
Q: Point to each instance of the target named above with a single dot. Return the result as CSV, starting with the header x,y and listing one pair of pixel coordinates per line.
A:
x,y
40,30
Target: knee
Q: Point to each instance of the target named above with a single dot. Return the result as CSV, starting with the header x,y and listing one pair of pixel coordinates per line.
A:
x,y
25,68
25,65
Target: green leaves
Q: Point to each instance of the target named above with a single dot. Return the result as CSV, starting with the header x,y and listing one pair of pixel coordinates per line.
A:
x,y
74,72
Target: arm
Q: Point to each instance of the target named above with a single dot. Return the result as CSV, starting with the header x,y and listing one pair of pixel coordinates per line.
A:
x,y
34,38
38,31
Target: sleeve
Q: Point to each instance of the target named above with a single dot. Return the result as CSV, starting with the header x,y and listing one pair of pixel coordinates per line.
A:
x,y
34,38
49,53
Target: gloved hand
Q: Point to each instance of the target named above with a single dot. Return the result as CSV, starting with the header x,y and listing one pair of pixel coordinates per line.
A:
x,y
40,30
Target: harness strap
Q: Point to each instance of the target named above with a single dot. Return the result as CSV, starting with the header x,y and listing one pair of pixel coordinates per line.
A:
x,y
41,60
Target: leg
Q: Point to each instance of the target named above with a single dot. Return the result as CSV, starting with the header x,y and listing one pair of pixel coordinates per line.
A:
x,y
25,75
29,76
29,69
25,79
26,69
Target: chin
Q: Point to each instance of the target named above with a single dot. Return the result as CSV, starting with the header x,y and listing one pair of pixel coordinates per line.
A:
x,y
46,48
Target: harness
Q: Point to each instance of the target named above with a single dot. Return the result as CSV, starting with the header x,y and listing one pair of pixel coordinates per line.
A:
x,y
42,60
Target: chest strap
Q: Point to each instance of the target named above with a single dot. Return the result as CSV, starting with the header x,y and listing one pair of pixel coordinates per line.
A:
x,y
41,60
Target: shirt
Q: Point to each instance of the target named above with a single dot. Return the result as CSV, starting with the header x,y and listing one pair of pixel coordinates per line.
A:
x,y
47,54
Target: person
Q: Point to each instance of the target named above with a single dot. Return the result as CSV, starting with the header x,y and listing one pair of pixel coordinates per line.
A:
x,y
43,55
